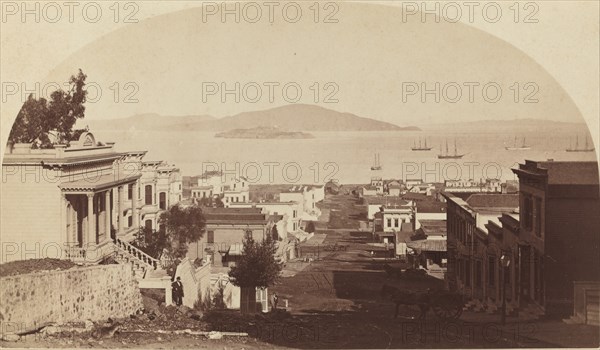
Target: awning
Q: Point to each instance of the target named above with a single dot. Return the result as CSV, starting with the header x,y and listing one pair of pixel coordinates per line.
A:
x,y
97,183
236,249
429,245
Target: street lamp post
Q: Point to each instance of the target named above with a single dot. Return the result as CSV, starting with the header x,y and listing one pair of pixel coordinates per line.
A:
x,y
505,262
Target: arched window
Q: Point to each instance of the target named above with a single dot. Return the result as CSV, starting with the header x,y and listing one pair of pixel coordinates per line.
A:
x,y
148,195
162,200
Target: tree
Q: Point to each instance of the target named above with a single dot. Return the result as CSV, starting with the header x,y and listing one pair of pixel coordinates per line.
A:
x,y
151,242
257,268
37,117
219,203
275,233
310,227
182,227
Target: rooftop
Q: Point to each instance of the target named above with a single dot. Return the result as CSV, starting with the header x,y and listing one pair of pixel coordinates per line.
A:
x,y
438,245
433,227
386,201
561,173
234,216
430,206
487,201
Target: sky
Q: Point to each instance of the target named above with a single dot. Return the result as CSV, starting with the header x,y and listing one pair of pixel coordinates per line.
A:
x,y
377,60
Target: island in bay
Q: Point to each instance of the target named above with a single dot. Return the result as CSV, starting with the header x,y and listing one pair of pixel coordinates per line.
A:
x,y
263,133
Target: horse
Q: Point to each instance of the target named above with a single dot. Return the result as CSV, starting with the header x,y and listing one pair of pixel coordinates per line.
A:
x,y
403,297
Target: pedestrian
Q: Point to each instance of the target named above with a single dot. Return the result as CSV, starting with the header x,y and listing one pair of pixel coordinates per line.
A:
x,y
274,301
177,288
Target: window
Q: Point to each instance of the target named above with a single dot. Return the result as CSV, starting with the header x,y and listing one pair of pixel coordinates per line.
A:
x,y
148,224
295,213
389,223
396,223
129,191
538,217
468,273
491,271
527,212
148,194
162,202
478,273
210,237
130,221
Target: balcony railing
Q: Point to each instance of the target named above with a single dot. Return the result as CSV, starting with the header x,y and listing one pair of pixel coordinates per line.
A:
x,y
75,253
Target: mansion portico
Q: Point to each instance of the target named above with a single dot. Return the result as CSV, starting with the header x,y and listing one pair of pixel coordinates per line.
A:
x,y
76,201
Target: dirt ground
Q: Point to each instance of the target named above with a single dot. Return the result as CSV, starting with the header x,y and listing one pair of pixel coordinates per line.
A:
x,y
335,302
22,267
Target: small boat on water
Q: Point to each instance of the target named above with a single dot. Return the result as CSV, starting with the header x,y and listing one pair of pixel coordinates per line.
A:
x,y
420,147
586,148
377,163
448,155
514,147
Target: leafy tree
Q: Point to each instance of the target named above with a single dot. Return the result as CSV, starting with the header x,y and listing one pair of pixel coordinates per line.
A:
x,y
151,242
275,233
310,227
183,225
39,116
257,266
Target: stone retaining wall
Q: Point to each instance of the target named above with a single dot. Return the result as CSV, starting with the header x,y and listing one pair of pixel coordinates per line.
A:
x,y
88,293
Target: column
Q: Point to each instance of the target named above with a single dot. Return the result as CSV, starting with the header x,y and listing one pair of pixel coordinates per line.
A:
x,y
107,215
134,196
63,219
120,211
91,224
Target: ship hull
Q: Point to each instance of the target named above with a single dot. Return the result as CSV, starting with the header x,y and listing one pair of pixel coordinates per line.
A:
x,y
450,157
517,148
422,149
580,150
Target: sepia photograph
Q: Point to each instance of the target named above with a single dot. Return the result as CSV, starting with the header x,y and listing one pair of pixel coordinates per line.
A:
x,y
306,174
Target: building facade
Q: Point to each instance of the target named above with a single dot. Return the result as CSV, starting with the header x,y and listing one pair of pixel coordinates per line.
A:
x,y
72,201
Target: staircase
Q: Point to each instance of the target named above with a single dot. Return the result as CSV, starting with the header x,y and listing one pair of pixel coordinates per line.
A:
x,y
129,254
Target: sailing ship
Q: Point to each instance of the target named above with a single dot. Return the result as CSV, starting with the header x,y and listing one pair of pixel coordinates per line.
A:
x,y
447,155
587,148
421,147
377,164
514,147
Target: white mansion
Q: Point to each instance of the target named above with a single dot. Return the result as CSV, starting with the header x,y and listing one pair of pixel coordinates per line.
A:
x,y
80,201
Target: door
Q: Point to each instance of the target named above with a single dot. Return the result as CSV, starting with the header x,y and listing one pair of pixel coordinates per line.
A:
x,y
524,272
592,307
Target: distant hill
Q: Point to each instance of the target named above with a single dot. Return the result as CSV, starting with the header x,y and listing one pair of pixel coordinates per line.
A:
x,y
497,126
149,121
299,117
